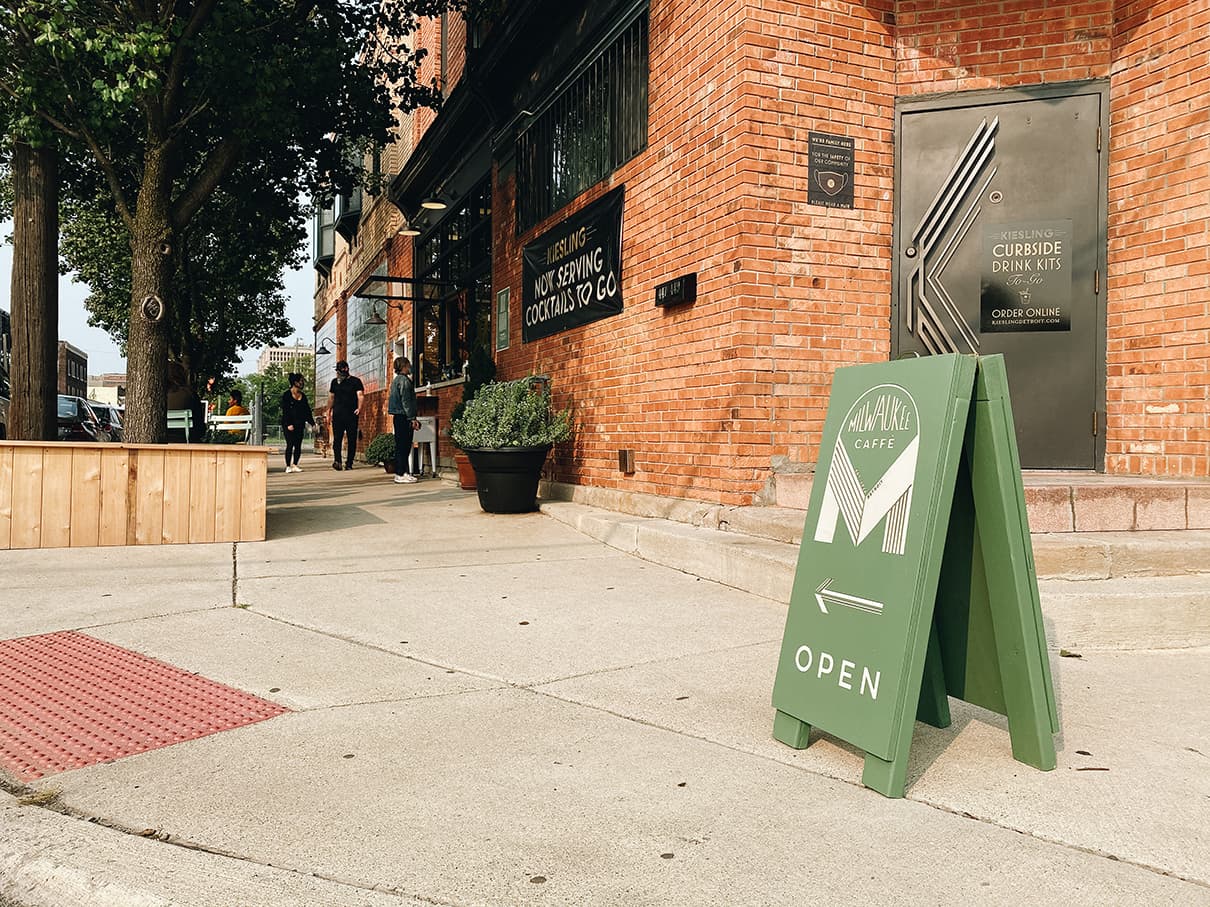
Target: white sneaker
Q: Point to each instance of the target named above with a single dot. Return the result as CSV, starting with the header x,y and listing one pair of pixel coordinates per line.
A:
x,y
297,468
409,478
400,480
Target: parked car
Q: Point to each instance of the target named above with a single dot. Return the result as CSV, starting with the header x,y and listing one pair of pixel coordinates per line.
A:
x,y
78,422
111,419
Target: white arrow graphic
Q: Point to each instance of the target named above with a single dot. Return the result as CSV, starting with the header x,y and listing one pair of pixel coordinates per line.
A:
x,y
824,594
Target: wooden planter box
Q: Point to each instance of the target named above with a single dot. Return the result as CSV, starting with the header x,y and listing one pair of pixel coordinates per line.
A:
x,y
59,494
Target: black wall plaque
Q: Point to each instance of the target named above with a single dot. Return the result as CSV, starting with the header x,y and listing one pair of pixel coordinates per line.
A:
x,y
830,170
678,290
572,274
1026,283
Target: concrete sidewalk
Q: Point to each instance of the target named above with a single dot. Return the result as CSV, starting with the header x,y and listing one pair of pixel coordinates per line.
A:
x,y
501,710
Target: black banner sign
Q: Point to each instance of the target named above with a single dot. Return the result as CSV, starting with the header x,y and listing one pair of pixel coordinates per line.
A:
x,y
572,274
1026,282
829,170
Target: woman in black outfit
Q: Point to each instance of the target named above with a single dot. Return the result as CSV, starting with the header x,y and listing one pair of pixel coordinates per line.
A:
x,y
295,412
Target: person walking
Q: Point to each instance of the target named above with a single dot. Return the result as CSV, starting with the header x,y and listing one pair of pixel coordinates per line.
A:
x,y
295,413
401,404
344,404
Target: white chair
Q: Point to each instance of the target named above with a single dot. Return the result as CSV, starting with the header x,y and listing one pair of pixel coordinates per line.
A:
x,y
182,419
241,425
425,434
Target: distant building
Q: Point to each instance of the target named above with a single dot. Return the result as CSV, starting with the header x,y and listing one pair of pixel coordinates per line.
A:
x,y
284,355
109,379
108,388
73,370
115,396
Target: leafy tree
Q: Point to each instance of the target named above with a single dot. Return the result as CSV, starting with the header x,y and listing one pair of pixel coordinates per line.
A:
x,y
228,287
272,383
169,98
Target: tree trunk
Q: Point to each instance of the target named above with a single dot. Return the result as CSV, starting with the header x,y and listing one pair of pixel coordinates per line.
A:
x,y
33,414
151,273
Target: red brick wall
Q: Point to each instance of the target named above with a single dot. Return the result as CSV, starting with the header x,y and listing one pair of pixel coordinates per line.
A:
x,y
1159,240
707,395
960,45
716,396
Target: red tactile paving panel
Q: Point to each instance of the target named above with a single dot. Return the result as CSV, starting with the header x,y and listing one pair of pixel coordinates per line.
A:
x,y
68,700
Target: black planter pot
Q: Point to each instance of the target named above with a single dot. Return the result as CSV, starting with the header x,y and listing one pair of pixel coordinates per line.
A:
x,y
507,478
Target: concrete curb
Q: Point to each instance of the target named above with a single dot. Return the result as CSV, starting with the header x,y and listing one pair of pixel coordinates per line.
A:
x,y
1098,592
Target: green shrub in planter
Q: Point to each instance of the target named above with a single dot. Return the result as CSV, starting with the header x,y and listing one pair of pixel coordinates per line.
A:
x,y
511,414
480,369
381,450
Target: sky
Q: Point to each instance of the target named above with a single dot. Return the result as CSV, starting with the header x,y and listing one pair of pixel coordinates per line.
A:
x,y
103,355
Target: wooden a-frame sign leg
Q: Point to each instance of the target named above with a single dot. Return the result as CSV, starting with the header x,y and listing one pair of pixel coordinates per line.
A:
x,y
975,631
1005,590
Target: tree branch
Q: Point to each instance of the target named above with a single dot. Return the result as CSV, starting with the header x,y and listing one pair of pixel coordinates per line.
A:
x,y
219,163
175,77
111,176
50,120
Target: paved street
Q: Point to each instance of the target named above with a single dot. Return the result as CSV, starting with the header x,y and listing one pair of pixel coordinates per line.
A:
x,y
499,710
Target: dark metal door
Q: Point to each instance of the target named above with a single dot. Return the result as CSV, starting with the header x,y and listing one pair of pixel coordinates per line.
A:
x,y
999,248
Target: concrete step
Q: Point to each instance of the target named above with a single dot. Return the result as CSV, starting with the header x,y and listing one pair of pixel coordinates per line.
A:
x,y
1069,501
1111,590
1058,555
1158,612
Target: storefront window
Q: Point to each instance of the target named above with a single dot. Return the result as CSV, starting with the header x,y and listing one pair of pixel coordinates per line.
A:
x,y
591,128
325,366
456,258
367,342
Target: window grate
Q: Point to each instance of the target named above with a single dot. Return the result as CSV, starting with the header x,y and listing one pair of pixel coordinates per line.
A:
x,y
594,126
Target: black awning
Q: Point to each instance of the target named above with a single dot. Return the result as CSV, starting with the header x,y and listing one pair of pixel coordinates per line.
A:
x,y
403,289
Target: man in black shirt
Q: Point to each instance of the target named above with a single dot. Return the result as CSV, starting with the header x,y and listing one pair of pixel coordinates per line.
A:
x,y
344,403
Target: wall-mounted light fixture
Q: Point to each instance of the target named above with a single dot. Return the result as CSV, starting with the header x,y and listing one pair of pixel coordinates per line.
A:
x,y
322,349
435,201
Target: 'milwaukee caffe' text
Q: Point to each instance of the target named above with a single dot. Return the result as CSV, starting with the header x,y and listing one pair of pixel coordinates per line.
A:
x,y
572,274
1026,283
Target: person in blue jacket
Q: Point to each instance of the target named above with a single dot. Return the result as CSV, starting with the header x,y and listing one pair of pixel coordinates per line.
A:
x,y
401,404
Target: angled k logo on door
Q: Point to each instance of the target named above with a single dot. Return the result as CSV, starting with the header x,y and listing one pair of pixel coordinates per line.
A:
x,y
873,468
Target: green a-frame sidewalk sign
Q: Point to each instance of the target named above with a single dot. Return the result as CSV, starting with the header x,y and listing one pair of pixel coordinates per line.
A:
x,y
915,577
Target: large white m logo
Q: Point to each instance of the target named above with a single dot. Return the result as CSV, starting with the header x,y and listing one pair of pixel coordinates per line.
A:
x,y
889,501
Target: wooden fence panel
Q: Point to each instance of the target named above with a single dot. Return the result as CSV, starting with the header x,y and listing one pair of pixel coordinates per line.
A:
x,y
228,496
177,479
202,483
6,496
27,497
56,497
85,528
55,494
115,496
255,485
149,497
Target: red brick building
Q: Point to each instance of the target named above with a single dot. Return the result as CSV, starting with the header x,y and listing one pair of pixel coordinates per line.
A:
x,y
836,183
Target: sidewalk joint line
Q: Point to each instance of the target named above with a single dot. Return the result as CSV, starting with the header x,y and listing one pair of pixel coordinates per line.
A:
x,y
234,574
56,805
